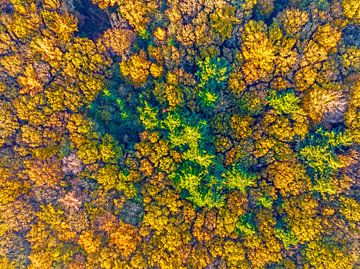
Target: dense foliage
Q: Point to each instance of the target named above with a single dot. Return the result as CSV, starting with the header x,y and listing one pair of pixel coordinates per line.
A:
x,y
179,134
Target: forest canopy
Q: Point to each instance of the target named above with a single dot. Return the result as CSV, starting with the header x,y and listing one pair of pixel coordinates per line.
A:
x,y
180,134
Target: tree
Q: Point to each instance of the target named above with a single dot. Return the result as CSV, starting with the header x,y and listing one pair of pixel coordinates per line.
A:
x,y
118,40
136,69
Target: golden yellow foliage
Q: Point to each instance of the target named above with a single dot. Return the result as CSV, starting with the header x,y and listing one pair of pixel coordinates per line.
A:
x,y
61,25
124,238
88,241
6,264
289,178
327,37
185,35
305,77
137,13
351,9
236,82
29,82
118,40
48,50
10,187
51,4
351,58
223,20
137,69
8,122
47,172
324,256
105,3
241,126
294,20
160,34
24,22
108,150
352,115
108,176
350,208
12,64
258,52
303,218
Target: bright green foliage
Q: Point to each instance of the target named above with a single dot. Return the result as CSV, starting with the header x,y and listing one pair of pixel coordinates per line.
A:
x,y
201,158
319,150
208,98
188,136
265,202
172,121
286,103
324,186
208,200
148,116
320,159
240,179
286,237
213,72
335,138
246,225
190,180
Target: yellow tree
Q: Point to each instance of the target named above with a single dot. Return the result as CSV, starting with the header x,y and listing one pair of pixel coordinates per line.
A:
x,y
258,52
